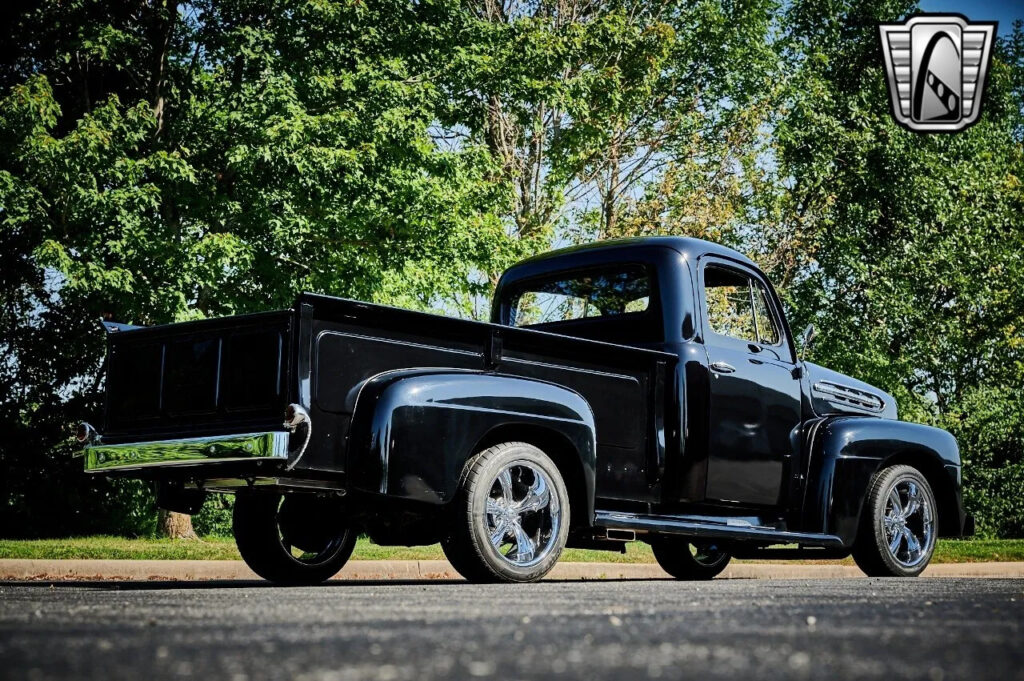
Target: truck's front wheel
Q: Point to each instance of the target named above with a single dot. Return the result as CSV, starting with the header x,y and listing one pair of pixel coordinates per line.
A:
x,y
898,524
511,516
297,539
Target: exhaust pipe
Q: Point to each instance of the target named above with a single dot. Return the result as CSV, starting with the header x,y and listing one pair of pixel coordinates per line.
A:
x,y
620,535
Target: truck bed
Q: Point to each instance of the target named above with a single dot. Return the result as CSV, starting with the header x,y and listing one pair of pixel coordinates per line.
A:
x,y
237,374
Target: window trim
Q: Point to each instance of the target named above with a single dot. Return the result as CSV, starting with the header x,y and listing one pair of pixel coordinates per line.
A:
x,y
756,283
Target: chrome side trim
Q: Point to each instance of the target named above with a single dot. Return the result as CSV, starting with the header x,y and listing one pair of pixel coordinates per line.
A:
x,y
194,450
850,395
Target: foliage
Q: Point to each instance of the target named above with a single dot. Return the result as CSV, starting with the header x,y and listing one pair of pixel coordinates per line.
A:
x,y
916,241
585,103
214,518
162,161
210,159
989,424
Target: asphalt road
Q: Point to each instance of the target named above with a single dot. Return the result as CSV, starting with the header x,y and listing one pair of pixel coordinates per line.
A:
x,y
730,629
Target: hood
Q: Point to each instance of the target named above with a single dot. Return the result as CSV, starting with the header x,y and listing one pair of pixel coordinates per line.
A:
x,y
835,393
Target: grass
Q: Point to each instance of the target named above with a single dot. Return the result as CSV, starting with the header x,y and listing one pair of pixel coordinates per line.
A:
x,y
120,548
219,548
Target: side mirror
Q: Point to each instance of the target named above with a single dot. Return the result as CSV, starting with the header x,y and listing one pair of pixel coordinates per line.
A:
x,y
806,338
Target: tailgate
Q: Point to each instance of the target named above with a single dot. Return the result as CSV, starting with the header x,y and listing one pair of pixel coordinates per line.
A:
x,y
228,375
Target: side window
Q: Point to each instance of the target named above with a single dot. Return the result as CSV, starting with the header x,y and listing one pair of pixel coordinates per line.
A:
x,y
730,308
767,328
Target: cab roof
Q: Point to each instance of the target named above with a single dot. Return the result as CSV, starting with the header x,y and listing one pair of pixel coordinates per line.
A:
x,y
583,255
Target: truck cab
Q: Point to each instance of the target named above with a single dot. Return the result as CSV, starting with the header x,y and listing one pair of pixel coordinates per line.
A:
x,y
715,312
643,389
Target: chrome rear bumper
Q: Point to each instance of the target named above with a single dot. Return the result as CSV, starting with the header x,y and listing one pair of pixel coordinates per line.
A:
x,y
194,450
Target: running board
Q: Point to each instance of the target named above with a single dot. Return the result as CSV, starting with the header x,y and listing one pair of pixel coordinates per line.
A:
x,y
692,528
755,552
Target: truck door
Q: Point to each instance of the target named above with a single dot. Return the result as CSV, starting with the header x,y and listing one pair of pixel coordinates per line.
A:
x,y
754,396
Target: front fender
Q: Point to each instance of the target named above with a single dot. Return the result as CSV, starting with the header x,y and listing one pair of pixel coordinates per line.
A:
x,y
845,452
413,430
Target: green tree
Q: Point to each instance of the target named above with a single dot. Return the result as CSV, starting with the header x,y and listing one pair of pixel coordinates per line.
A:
x,y
916,242
584,104
162,162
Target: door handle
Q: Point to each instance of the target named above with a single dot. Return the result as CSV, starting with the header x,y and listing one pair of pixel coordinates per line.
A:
x,y
722,368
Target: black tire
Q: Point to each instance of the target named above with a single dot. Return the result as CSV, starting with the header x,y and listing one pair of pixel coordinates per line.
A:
x,y
531,476
881,529
689,560
269,532
471,570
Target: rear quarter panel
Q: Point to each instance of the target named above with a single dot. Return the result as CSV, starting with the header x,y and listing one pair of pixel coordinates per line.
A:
x,y
415,429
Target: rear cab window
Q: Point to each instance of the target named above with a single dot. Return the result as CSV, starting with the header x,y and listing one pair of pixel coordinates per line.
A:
x,y
599,303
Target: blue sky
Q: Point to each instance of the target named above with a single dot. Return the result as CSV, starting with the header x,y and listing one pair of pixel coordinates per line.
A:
x,y
1003,11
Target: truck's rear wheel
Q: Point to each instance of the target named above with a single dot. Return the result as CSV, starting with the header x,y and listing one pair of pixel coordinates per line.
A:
x,y
297,539
691,560
899,524
511,516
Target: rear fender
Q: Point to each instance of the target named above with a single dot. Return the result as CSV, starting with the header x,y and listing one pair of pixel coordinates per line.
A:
x,y
413,430
847,451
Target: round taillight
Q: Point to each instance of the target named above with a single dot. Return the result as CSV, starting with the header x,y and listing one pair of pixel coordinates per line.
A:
x,y
294,415
84,432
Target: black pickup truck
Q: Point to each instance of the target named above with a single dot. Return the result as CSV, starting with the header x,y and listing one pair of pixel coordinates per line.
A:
x,y
644,389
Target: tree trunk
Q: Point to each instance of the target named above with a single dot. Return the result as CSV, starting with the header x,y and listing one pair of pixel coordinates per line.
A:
x,y
163,31
175,525
609,197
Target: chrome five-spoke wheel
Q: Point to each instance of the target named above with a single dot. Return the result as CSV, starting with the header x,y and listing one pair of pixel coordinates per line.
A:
x,y
909,523
511,516
523,517
899,524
